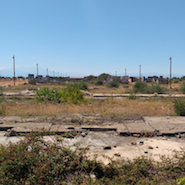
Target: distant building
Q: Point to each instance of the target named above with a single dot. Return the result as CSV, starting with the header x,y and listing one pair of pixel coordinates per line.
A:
x,y
30,77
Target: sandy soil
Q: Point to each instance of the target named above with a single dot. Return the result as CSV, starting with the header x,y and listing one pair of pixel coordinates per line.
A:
x,y
11,82
121,147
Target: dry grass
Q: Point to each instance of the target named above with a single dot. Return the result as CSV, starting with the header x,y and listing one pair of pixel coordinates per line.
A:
x,y
121,106
11,82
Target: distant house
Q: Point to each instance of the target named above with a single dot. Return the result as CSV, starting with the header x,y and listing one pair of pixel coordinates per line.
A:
x,y
76,78
132,79
30,77
125,79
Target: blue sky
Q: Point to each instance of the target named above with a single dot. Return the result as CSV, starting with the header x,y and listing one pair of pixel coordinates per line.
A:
x,y
90,37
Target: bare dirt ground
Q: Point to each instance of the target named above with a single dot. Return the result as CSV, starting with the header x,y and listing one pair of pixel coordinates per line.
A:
x,y
95,144
7,83
104,145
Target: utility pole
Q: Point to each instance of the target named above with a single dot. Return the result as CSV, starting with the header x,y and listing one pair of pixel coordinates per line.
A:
x,y
53,73
58,74
170,71
125,72
37,70
116,73
14,69
47,71
139,71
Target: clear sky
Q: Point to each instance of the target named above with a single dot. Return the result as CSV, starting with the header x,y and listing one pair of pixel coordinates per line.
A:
x,y
84,37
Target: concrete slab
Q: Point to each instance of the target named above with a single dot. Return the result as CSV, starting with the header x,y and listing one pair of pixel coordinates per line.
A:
x,y
136,127
62,129
167,124
28,127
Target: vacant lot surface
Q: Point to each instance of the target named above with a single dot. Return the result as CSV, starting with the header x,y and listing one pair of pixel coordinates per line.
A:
x,y
100,136
17,106
11,82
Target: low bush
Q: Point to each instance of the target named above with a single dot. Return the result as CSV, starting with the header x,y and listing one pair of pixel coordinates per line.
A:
x,y
46,94
71,94
36,161
175,81
99,82
179,105
113,84
155,89
33,82
183,87
81,85
141,87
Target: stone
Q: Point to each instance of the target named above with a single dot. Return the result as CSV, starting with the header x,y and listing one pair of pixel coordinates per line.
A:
x,y
117,155
136,135
141,143
83,134
107,147
133,143
150,147
11,133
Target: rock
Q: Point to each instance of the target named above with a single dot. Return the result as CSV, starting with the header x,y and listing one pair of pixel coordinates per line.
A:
x,y
69,135
107,147
145,152
1,123
136,135
141,143
133,143
157,147
83,134
10,133
178,136
150,147
117,155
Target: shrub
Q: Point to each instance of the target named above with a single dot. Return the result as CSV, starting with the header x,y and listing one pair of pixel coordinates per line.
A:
x,y
183,87
33,82
140,87
1,91
175,81
103,76
112,84
144,88
46,94
72,94
179,105
81,85
99,82
35,161
155,88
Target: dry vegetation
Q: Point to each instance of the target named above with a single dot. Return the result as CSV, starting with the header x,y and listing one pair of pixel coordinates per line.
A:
x,y
123,106
11,82
118,106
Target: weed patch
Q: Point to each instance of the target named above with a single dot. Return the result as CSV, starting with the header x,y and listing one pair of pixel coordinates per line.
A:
x,y
35,161
179,105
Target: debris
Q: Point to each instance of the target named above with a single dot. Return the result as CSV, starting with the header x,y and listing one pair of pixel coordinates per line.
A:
x,y
117,155
107,147
133,143
10,133
141,143
136,135
83,134
150,147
